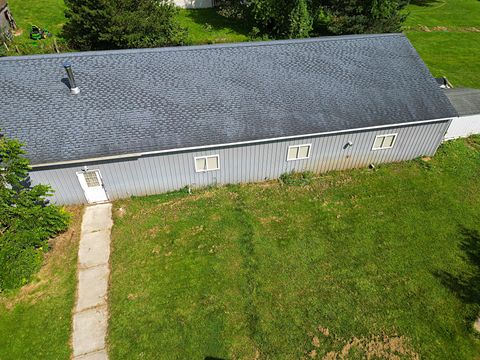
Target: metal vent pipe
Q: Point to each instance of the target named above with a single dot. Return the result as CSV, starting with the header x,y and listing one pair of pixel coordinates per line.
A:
x,y
71,79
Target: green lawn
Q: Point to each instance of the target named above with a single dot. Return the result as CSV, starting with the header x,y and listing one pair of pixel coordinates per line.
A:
x,y
357,260
447,36
36,321
47,14
206,26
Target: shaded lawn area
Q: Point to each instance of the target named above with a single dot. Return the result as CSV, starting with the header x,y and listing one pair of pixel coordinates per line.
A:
x,y
447,36
206,26
355,260
36,321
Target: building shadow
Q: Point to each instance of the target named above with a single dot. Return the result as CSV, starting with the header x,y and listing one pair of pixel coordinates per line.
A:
x,y
425,3
212,358
466,285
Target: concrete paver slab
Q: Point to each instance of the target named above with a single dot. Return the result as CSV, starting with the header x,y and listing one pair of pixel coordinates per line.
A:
x,y
97,217
89,330
94,249
98,355
92,287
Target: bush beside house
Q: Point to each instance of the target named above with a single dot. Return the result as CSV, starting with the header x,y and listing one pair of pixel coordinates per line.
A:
x,y
27,220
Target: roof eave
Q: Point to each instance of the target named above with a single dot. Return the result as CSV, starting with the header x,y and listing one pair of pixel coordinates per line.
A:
x,y
206,147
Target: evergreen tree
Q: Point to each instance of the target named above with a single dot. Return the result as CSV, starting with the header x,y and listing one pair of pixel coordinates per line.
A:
x,y
300,21
117,24
143,24
87,21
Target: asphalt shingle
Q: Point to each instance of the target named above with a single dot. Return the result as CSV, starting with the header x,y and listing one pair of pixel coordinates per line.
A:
x,y
466,101
159,99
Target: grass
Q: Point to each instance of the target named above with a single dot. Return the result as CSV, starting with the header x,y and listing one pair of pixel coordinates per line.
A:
x,y
365,262
206,26
47,14
447,36
35,322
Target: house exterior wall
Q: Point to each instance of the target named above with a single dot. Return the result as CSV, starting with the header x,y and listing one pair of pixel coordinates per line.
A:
x,y
194,4
463,126
246,163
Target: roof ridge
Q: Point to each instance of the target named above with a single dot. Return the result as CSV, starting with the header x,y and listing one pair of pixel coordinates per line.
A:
x,y
201,47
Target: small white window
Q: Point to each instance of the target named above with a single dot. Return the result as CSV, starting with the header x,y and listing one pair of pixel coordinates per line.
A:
x,y
298,152
92,178
384,141
207,163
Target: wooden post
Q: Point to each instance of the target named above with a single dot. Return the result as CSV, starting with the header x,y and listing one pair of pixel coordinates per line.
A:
x,y
55,46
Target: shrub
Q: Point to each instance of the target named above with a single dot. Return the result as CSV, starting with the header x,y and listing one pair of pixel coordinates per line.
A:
x,y
27,219
297,178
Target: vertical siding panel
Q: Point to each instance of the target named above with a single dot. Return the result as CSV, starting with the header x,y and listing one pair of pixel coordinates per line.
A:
x,y
240,164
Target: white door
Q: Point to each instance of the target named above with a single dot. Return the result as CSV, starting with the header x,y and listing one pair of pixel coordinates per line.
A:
x,y
92,185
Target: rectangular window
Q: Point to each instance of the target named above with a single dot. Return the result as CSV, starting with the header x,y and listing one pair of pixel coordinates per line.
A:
x,y
384,141
207,163
92,178
298,152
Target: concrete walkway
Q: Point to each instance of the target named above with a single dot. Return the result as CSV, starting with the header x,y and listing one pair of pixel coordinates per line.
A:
x,y
90,316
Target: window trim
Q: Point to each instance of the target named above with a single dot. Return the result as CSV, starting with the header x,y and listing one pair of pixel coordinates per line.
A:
x,y
298,146
384,135
206,159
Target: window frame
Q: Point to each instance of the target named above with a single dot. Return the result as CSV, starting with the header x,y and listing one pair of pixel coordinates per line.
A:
x,y
299,146
206,157
384,136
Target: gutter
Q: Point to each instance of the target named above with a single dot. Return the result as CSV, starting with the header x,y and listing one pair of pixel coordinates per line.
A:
x,y
250,142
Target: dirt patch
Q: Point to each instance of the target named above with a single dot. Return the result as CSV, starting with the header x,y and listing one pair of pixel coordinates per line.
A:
x,y
424,28
269,219
215,217
323,331
473,143
373,347
470,29
121,212
60,255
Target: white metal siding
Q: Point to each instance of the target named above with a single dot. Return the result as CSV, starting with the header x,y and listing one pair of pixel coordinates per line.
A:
x,y
193,4
248,163
463,126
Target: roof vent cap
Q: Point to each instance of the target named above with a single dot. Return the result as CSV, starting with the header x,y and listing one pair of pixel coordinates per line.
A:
x,y
71,79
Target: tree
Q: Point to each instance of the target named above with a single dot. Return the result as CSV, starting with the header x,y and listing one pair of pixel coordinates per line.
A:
x,y
87,20
118,24
302,18
27,220
300,24
359,17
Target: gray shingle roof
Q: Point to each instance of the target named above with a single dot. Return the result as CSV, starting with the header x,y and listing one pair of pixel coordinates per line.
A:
x,y
465,101
157,99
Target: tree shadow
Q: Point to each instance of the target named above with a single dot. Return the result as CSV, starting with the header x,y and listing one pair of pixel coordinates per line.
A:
x,y
466,285
425,3
211,18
